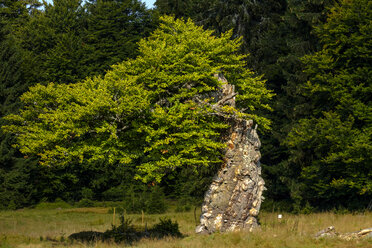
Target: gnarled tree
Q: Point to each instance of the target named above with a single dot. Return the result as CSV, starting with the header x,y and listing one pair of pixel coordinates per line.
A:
x,y
156,113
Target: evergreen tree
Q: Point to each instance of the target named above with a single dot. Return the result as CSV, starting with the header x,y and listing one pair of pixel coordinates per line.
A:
x,y
293,38
114,29
247,18
333,146
54,37
54,44
15,71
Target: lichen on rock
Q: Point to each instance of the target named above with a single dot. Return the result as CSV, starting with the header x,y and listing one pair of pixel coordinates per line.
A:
x,y
233,200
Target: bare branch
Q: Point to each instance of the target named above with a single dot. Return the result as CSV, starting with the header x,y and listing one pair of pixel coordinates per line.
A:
x,y
226,98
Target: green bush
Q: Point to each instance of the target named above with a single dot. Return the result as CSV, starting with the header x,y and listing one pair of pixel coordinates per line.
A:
x,y
270,205
184,204
59,203
165,228
124,233
115,193
151,201
87,193
155,203
85,203
128,234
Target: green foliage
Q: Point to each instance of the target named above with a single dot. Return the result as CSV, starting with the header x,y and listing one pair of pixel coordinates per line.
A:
x,y
53,44
16,190
315,155
277,34
142,112
87,193
54,38
113,31
69,122
124,233
184,204
246,18
59,203
155,203
146,199
85,203
334,146
127,233
165,228
280,62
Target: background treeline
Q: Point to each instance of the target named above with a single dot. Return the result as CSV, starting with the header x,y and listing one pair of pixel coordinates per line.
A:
x,y
314,54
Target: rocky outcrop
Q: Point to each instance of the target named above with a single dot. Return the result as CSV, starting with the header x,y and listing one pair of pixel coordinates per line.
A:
x,y
234,198
331,232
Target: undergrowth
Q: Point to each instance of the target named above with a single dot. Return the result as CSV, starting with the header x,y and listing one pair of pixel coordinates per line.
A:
x,y
127,233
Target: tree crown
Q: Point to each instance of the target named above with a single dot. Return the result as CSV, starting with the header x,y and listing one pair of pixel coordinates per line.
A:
x,y
155,112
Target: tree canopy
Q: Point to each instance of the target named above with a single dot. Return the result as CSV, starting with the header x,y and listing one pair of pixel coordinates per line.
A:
x,y
333,145
60,43
155,112
314,55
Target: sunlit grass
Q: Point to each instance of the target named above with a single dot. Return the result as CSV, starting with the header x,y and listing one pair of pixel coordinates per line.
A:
x,y
50,228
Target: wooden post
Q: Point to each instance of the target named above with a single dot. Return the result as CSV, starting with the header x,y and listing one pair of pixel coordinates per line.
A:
x,y
113,217
196,221
143,217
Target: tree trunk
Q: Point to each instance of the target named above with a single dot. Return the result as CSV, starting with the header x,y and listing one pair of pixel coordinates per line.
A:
x,y
233,200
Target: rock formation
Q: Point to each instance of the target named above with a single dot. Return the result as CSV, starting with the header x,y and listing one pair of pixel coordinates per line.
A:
x,y
233,200
330,232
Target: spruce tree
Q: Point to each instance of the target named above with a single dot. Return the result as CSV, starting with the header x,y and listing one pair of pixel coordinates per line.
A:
x,y
54,37
333,145
114,29
16,189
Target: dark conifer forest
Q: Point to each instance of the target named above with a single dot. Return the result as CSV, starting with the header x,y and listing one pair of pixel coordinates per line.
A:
x,y
314,114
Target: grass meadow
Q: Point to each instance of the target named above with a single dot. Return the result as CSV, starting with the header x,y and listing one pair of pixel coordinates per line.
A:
x,y
38,228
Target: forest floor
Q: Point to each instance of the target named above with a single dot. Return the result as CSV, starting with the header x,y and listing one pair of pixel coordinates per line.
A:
x,y
50,228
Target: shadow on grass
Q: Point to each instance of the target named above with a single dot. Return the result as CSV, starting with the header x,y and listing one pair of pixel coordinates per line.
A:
x,y
128,233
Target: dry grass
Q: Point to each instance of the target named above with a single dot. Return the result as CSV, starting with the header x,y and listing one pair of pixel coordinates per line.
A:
x,y
46,228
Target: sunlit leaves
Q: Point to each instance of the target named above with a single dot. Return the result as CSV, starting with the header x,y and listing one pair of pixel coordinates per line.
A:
x,y
144,111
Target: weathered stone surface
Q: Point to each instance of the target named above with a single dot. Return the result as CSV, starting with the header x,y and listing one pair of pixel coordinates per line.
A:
x,y
234,198
331,232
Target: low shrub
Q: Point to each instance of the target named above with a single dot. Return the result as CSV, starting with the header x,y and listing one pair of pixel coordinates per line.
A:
x,y
155,203
270,205
165,228
85,203
86,236
59,203
184,204
124,233
128,234
87,193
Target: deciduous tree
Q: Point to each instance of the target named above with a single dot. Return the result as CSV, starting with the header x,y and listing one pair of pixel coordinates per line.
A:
x,y
155,112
